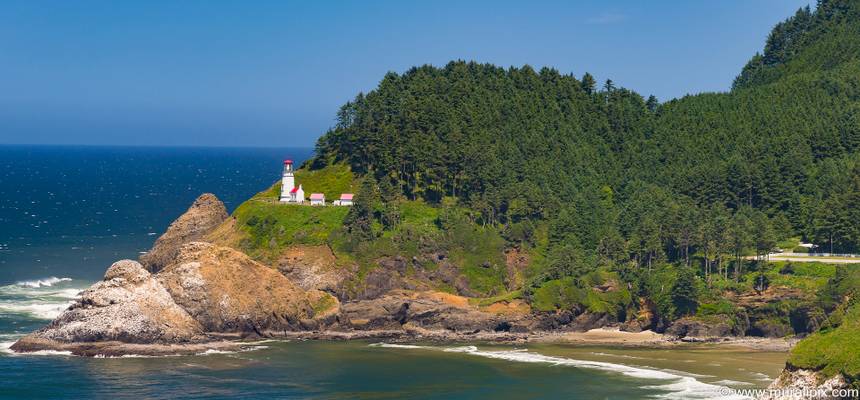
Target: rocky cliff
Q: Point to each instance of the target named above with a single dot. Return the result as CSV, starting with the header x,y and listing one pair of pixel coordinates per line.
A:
x,y
204,215
225,291
201,294
129,306
205,293
797,383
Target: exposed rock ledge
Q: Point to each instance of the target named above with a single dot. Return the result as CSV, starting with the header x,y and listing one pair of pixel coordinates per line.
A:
x,y
796,383
128,306
207,289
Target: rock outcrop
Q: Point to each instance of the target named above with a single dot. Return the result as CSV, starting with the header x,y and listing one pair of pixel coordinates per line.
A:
x,y
696,328
311,267
796,383
427,310
204,215
128,306
225,291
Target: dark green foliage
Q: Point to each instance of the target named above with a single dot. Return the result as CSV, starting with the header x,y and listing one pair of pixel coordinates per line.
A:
x,y
359,220
684,295
681,198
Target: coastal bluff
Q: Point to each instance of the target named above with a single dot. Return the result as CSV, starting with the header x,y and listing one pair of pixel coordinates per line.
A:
x,y
188,296
208,291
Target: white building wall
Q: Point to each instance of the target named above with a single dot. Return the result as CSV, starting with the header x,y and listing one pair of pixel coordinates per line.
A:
x,y
300,195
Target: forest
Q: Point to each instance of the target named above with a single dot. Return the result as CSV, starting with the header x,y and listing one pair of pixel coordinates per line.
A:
x,y
518,145
602,178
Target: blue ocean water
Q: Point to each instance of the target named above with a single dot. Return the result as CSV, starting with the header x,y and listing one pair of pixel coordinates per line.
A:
x,y
66,213
71,211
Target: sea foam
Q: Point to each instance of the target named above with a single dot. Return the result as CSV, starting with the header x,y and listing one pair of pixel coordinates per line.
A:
x,y
679,385
46,282
40,298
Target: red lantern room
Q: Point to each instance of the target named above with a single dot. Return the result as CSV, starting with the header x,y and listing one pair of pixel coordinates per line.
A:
x,y
288,165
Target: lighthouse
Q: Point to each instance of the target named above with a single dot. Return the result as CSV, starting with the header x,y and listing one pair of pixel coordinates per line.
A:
x,y
289,192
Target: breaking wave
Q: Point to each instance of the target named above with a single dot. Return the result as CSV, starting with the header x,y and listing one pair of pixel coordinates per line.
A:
x,y
40,298
679,385
47,282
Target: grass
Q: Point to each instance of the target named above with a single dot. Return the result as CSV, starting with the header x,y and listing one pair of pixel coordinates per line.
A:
x,y
270,227
834,351
487,301
324,303
807,276
480,254
331,181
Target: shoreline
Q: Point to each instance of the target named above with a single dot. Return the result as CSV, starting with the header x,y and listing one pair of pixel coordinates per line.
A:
x,y
611,337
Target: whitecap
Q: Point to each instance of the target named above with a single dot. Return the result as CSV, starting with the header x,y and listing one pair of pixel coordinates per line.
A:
x,y
36,310
690,388
42,298
530,357
729,382
761,377
46,282
397,346
5,347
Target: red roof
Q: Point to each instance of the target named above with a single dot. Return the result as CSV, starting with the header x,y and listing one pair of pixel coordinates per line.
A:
x,y
295,189
346,196
288,161
317,196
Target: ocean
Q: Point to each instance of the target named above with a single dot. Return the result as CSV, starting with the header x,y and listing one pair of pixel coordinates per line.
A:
x,y
67,213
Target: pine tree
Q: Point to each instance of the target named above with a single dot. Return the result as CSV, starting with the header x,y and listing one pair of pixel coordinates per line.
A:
x,y
588,83
652,103
684,294
359,219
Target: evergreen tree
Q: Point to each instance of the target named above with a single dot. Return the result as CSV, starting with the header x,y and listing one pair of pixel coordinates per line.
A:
x,y
588,83
684,293
359,219
652,103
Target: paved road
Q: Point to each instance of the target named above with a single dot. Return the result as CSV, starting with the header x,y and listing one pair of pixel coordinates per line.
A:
x,y
830,260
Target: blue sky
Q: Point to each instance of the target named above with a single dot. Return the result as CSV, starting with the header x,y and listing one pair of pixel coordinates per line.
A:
x,y
221,73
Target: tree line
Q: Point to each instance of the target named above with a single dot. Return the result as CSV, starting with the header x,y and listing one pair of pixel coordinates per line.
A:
x,y
621,178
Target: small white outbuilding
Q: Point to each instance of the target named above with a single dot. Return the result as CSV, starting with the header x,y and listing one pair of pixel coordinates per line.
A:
x,y
345,199
317,199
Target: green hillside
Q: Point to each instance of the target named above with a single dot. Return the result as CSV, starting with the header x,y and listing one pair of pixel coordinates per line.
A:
x,y
502,183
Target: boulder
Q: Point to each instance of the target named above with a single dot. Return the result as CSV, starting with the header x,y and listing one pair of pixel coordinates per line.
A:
x,y
227,292
692,327
204,215
128,306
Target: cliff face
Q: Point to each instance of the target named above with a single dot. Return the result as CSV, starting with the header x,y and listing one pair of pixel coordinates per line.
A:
x,y
804,381
128,306
205,291
225,291
204,215
199,293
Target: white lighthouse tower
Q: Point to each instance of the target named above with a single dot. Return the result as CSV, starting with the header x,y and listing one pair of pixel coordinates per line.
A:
x,y
289,192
